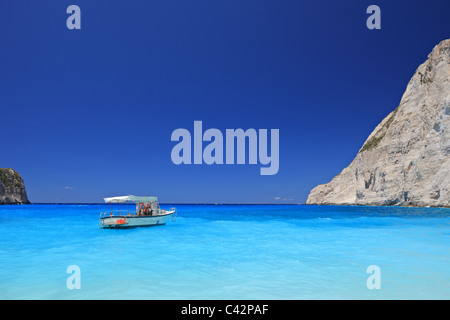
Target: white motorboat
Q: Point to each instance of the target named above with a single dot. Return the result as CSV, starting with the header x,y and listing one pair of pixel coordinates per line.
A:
x,y
147,213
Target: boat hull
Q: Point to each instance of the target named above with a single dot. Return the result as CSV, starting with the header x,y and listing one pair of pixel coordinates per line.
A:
x,y
115,222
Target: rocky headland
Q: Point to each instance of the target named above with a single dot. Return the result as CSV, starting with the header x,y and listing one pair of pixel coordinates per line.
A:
x,y
12,188
406,160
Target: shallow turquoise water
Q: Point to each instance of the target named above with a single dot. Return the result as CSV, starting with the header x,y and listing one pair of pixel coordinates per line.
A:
x,y
227,252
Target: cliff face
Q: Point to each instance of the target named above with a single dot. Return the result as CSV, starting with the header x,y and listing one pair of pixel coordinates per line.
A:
x,y
12,188
406,159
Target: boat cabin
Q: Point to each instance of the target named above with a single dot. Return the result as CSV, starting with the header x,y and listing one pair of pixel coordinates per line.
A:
x,y
145,206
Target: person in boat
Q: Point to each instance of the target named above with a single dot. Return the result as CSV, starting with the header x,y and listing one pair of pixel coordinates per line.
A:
x,y
145,210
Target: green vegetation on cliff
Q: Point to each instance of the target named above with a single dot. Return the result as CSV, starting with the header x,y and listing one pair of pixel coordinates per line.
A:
x,y
376,139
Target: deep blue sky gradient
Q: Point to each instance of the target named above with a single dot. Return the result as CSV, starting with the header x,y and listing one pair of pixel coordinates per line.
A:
x,y
89,113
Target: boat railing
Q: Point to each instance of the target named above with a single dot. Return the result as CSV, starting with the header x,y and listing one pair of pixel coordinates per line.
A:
x,y
115,213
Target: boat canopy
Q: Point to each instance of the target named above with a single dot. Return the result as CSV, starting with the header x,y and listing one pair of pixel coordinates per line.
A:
x,y
131,198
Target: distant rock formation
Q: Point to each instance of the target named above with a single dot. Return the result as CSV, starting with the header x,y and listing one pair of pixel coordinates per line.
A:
x,y
12,188
406,159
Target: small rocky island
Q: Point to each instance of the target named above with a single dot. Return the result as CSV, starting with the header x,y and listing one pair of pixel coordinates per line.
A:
x,y
12,188
406,159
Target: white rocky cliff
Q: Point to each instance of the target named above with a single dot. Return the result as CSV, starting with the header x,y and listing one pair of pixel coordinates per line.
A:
x,y
406,159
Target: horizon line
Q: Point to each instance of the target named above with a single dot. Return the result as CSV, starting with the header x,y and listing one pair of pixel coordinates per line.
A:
x,y
168,203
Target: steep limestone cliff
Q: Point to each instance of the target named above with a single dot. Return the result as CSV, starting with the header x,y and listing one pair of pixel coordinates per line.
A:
x,y
406,159
12,188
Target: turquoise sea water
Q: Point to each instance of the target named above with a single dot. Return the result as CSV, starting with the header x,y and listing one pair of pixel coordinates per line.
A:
x,y
227,252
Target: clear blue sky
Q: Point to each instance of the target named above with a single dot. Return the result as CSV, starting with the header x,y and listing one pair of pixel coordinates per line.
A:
x,y
89,113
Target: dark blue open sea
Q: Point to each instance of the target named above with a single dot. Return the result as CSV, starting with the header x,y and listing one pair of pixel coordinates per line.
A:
x,y
227,252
